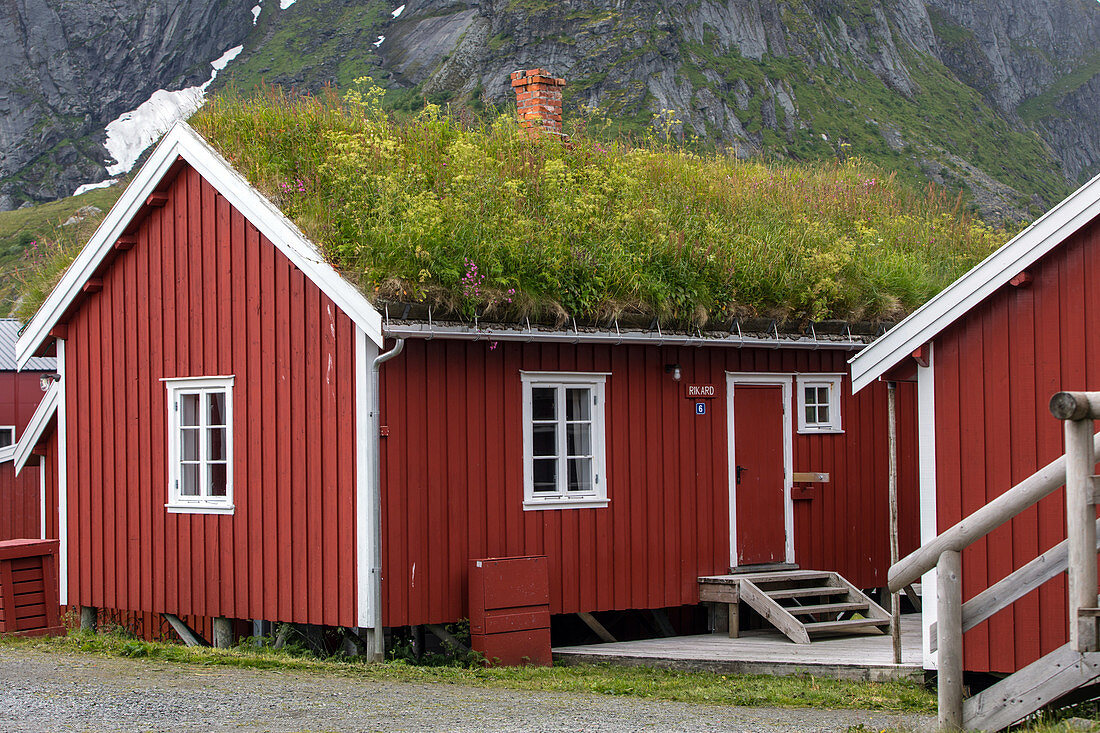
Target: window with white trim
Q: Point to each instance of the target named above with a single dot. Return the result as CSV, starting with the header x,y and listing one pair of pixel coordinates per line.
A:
x,y
7,435
200,444
819,403
564,462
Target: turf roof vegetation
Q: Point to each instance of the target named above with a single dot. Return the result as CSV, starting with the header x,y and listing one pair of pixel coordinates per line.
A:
x,y
480,218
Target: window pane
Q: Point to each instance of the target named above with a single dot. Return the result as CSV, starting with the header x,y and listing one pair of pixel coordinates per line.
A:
x,y
217,408
189,444
822,395
544,405
544,439
189,409
577,402
217,479
189,479
7,437
823,413
215,444
545,474
811,414
578,439
580,474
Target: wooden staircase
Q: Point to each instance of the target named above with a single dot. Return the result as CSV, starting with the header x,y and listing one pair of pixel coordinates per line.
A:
x,y
803,604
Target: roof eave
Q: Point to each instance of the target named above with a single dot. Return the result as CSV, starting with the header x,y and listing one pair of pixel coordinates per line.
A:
x,y
928,321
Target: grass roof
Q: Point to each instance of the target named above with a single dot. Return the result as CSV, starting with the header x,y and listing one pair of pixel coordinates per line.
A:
x,y
480,217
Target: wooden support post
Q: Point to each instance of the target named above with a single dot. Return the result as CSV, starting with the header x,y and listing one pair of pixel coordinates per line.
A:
x,y
1081,533
735,619
189,637
597,628
89,619
895,598
949,657
446,637
222,632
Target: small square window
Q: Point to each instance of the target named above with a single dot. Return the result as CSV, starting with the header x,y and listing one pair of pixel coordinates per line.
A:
x,y
200,444
7,435
819,403
563,451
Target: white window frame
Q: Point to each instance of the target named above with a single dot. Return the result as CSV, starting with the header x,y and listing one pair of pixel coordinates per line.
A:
x,y
833,382
198,504
595,499
13,436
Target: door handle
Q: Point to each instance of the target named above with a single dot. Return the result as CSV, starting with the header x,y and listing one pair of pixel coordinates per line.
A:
x,y
738,472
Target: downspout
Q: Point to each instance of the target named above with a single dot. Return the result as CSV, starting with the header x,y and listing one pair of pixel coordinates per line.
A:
x,y
378,645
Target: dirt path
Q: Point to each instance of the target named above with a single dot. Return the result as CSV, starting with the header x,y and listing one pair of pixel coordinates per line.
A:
x,y
54,691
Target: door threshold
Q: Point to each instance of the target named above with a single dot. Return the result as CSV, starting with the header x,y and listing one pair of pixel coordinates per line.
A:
x,y
763,567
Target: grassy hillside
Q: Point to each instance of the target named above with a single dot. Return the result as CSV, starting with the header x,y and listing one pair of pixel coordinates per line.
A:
x,y
31,237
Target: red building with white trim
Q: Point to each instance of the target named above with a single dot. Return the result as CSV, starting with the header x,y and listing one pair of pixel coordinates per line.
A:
x,y
987,354
227,442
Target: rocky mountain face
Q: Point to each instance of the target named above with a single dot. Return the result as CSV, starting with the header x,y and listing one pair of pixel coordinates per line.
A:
x,y
997,98
70,66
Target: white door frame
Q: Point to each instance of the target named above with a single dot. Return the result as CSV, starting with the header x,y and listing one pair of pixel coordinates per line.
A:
x,y
771,379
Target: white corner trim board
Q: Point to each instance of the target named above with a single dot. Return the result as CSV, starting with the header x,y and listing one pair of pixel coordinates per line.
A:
x,y
1046,233
183,142
36,426
926,470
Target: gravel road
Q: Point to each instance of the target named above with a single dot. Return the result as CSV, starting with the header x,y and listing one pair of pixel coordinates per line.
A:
x,y
56,691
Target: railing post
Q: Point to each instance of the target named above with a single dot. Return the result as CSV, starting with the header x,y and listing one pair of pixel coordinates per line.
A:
x,y
1081,533
949,667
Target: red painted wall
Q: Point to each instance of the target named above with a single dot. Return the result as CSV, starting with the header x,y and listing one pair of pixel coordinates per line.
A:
x,y
202,293
453,477
20,393
995,371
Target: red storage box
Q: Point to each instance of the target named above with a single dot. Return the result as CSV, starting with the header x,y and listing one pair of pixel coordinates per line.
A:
x,y
510,610
28,588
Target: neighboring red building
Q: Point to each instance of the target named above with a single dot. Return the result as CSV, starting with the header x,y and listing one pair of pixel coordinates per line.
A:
x,y
216,429
992,350
22,513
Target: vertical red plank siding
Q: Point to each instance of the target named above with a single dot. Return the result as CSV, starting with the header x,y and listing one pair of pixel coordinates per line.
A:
x,y
20,518
203,294
453,479
995,370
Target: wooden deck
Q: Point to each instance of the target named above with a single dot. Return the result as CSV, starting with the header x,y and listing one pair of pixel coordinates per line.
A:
x,y
867,657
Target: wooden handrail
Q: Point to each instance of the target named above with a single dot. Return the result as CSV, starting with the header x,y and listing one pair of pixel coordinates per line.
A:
x,y
1030,491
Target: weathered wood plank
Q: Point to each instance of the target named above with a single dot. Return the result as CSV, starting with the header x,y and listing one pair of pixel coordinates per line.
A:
x,y
189,637
827,608
773,612
873,609
950,657
819,590
1029,689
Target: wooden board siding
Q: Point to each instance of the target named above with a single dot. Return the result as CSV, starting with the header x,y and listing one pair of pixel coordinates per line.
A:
x,y
995,371
452,477
20,393
202,293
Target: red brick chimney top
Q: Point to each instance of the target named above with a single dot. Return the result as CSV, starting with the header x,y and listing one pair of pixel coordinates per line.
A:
x,y
538,99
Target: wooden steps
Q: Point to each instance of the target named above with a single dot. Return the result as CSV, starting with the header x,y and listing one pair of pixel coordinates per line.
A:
x,y
801,603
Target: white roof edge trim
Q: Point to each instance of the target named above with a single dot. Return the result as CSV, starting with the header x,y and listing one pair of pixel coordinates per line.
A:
x,y
36,426
7,453
181,140
925,323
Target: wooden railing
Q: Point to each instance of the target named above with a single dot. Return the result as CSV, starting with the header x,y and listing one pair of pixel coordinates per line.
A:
x,y
1077,552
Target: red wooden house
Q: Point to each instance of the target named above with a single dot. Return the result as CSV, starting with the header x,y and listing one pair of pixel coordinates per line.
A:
x,y
226,441
987,354
23,514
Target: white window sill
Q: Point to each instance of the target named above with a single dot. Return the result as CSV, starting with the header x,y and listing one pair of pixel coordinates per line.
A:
x,y
199,508
588,503
819,431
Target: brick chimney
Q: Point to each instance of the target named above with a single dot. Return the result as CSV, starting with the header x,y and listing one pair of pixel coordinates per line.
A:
x,y
538,100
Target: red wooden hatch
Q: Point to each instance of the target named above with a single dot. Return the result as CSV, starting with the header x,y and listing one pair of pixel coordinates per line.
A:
x,y
510,610
28,587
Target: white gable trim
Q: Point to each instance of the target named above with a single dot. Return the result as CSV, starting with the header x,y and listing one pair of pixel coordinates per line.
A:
x,y
182,141
968,291
36,427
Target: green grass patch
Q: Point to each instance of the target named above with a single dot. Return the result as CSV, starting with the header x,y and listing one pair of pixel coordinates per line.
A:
x,y
691,687
31,237
1043,105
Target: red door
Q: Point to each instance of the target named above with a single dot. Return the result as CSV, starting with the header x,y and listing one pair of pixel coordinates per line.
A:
x,y
759,474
